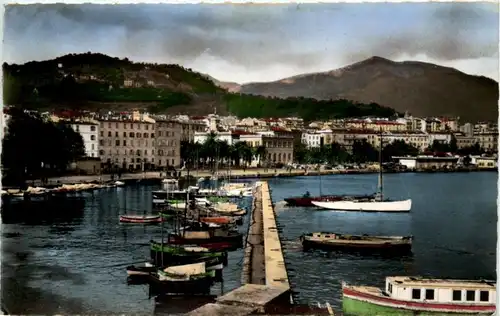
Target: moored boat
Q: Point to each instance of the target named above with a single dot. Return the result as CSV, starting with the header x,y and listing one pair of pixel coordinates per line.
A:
x,y
143,269
167,254
208,237
335,241
404,295
367,205
140,219
184,279
306,200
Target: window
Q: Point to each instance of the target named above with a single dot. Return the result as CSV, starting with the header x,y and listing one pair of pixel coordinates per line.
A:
x,y
92,128
124,143
131,134
429,294
389,288
102,133
415,294
117,142
145,135
92,137
470,295
109,134
101,142
93,147
152,135
124,134
101,152
484,296
116,134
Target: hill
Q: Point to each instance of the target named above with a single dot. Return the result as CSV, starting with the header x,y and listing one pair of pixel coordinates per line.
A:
x,y
99,82
423,89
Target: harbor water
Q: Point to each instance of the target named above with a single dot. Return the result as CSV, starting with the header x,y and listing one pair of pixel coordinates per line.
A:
x,y
69,256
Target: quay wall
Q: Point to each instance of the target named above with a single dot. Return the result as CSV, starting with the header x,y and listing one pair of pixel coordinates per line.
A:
x,y
258,173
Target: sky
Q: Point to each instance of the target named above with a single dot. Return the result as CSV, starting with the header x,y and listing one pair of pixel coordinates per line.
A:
x,y
256,42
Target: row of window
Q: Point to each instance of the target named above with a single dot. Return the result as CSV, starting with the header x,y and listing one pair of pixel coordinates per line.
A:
x,y
166,152
126,125
278,144
166,133
470,295
130,134
131,152
139,143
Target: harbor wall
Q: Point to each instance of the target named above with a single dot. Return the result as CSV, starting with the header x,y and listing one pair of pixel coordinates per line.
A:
x,y
264,278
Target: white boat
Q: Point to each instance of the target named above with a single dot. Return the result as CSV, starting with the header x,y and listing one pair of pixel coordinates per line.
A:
x,y
378,204
119,183
405,295
368,206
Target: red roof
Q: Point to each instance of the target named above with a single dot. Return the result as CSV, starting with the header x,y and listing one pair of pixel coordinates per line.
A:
x,y
240,132
279,129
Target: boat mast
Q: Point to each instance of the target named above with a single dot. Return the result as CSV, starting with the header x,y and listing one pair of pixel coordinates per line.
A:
x,y
380,194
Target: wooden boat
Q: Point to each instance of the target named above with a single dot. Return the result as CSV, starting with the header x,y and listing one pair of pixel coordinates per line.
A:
x,y
168,254
209,237
335,241
217,219
375,204
184,279
404,295
143,269
140,219
306,200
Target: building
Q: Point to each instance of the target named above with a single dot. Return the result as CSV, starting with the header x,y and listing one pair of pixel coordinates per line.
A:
x,y
90,135
484,162
254,141
427,162
488,141
201,137
168,143
279,149
312,139
127,144
189,128
464,141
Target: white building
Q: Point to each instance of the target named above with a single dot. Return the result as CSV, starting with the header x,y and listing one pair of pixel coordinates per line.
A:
x,y
312,139
89,132
444,138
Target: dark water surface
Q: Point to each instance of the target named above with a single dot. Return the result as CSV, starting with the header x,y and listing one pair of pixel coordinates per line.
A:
x,y
453,220
69,256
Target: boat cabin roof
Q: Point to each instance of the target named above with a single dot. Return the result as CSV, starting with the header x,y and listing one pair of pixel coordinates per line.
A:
x,y
426,282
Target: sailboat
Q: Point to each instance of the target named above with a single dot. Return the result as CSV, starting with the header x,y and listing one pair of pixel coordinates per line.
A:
x,y
376,204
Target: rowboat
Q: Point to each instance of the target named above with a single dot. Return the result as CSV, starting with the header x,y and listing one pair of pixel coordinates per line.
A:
x,y
140,219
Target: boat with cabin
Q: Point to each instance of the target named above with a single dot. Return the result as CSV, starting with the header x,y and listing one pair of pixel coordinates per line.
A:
x,y
168,254
406,295
358,243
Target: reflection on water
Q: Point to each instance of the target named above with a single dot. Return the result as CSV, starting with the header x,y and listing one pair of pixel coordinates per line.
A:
x,y
68,257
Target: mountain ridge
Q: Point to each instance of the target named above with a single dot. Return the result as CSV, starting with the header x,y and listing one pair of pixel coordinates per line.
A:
x,y
421,88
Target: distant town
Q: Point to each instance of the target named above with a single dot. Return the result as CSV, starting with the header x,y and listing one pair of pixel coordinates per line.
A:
x,y
134,141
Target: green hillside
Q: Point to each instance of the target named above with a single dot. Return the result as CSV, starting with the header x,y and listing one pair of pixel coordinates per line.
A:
x,y
93,81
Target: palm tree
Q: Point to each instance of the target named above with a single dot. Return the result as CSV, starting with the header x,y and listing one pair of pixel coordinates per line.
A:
x,y
261,152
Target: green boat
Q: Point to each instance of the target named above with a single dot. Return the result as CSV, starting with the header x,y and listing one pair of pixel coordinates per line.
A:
x,y
173,255
217,199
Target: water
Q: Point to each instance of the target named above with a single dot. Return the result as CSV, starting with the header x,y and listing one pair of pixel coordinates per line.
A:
x,y
69,257
453,220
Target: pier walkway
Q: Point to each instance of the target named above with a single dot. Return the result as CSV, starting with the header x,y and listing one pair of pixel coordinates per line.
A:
x,y
265,286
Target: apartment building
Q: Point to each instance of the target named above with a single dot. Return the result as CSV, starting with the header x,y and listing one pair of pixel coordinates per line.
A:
x,y
189,128
279,149
127,144
90,135
168,143
488,141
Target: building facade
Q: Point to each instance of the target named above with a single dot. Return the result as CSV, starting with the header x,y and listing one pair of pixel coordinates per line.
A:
x,y
279,149
127,144
168,143
90,135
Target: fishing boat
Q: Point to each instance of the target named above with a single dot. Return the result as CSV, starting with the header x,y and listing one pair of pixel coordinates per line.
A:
x,y
375,204
167,254
405,295
183,279
335,241
140,270
208,235
306,200
218,219
140,219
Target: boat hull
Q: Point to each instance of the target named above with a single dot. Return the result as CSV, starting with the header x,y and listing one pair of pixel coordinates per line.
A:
x,y
139,220
219,243
198,286
360,304
358,248
388,206
307,201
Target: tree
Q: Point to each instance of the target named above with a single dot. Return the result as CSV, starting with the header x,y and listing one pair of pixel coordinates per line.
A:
x,y
34,147
398,148
362,151
453,144
261,153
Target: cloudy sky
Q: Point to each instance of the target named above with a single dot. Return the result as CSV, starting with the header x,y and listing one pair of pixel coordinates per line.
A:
x,y
248,43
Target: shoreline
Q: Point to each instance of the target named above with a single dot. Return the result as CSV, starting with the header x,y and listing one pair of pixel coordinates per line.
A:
x,y
260,173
